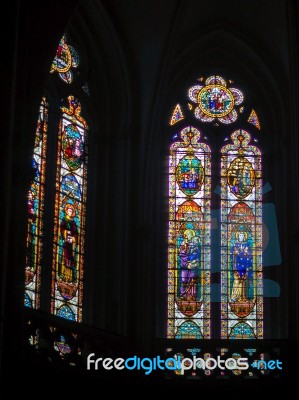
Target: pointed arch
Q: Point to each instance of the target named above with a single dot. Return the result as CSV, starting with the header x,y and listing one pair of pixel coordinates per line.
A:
x,y
35,211
241,239
189,237
69,218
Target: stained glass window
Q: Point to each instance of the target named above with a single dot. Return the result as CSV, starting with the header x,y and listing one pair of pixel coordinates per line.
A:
x,y
215,101
241,239
253,119
189,237
177,115
65,59
69,222
35,211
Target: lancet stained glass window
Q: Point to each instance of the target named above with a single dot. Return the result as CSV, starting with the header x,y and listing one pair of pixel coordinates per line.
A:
x,y
189,237
241,239
35,211
69,222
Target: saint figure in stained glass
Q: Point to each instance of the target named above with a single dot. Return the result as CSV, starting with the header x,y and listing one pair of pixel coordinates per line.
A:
x,y
69,233
189,256
31,215
242,267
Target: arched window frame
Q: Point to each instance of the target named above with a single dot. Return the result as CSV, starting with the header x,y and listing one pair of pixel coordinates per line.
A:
x,y
195,111
241,239
35,211
65,88
189,215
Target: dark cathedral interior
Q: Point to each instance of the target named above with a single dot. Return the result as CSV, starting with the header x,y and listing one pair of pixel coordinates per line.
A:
x,y
136,61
